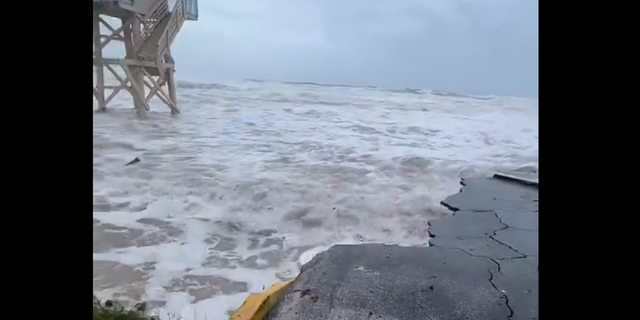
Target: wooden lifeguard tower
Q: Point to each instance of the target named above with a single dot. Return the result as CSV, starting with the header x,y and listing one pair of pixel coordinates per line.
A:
x,y
148,29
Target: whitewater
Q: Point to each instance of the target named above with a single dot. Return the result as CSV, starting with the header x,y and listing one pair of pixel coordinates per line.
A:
x,y
228,194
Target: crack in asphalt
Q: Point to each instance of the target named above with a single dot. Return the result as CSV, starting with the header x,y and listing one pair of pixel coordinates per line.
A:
x,y
505,226
503,293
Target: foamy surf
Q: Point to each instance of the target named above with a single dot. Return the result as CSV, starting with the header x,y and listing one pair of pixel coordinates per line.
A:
x,y
228,196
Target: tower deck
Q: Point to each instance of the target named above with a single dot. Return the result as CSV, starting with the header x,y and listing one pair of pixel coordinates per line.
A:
x,y
147,29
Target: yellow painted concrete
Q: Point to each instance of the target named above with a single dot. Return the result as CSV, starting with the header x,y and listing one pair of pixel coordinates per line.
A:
x,y
257,305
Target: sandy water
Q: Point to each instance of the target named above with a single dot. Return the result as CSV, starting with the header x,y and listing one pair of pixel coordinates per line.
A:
x,y
251,174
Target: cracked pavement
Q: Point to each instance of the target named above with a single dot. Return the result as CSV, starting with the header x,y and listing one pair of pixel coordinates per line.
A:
x,y
497,220
482,263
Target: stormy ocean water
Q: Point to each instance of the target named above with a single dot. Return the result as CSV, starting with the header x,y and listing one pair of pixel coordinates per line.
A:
x,y
228,194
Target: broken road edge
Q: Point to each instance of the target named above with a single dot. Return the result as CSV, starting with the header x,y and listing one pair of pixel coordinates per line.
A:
x,y
258,305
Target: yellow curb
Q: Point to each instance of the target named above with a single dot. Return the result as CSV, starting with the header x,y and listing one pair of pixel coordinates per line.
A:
x,y
257,305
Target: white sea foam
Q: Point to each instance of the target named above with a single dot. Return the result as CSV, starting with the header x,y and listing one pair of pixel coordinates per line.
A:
x,y
251,174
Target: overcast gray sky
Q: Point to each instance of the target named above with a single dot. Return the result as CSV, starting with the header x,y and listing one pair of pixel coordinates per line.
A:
x,y
465,46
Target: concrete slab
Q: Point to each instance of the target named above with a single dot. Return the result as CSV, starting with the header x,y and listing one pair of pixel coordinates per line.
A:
x,y
522,177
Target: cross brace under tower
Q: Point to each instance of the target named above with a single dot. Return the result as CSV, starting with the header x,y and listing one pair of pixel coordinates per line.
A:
x,y
138,73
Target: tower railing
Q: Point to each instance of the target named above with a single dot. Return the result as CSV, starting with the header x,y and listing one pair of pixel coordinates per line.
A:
x,y
157,12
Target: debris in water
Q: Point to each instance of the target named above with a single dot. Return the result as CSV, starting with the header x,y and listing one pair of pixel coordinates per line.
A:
x,y
136,160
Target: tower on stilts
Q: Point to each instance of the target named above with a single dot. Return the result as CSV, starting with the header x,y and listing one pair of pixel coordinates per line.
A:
x,y
148,27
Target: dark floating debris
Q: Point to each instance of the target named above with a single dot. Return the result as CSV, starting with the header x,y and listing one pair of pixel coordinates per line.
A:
x,y
134,161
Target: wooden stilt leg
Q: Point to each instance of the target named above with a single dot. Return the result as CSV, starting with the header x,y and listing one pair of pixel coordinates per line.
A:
x,y
98,63
171,83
